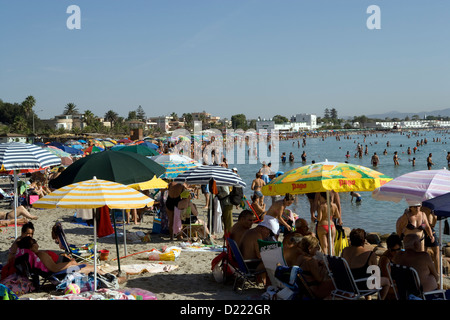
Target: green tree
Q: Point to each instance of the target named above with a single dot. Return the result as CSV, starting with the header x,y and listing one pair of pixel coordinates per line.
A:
x,y
326,114
239,121
333,114
112,117
28,105
280,119
188,121
20,124
140,113
132,115
71,109
174,116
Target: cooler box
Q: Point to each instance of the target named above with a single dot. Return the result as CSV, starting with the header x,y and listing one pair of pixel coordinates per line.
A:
x,y
156,225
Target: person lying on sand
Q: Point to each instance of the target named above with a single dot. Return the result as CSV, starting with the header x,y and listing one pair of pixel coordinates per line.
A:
x,y
20,211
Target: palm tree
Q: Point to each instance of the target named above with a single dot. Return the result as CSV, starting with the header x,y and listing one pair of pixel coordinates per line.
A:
x,y
20,124
111,116
71,109
28,105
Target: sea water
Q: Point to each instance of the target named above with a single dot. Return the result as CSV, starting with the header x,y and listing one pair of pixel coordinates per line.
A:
x,y
370,214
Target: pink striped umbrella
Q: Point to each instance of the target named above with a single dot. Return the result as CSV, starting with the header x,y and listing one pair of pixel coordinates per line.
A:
x,y
415,186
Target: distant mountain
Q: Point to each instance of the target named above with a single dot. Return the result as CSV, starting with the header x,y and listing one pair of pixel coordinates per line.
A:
x,y
402,115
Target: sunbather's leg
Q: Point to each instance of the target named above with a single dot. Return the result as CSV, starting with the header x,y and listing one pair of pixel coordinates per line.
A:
x,y
21,211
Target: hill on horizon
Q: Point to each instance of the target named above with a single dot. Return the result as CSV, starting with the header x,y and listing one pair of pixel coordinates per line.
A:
x,y
402,115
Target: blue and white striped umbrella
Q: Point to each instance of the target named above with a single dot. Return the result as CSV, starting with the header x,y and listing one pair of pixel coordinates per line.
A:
x,y
202,175
17,156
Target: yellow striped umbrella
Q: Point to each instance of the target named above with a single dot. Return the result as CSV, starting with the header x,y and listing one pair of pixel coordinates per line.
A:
x,y
91,194
94,193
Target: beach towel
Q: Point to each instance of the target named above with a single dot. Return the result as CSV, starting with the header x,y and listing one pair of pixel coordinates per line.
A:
x,y
177,226
104,226
217,216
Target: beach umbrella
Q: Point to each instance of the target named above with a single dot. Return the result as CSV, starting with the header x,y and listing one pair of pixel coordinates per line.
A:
x,y
92,194
118,166
124,141
154,183
65,148
136,148
205,174
93,149
202,175
56,151
416,186
148,144
173,169
172,157
18,156
324,177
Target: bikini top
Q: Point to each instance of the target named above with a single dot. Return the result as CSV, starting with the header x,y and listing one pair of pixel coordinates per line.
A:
x,y
410,226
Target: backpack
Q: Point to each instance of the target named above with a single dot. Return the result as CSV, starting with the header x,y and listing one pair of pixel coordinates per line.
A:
x,y
236,196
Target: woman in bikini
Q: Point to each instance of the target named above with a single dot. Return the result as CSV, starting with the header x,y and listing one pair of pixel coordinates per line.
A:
x,y
414,220
322,222
359,257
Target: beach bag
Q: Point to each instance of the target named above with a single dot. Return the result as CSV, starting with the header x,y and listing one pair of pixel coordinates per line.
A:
x,y
106,281
18,284
236,196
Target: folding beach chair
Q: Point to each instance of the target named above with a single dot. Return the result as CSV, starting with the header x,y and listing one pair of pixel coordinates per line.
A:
x,y
243,273
346,287
405,282
35,274
6,196
81,253
292,278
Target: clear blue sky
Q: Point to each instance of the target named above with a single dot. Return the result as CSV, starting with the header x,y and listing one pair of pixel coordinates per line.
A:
x,y
257,57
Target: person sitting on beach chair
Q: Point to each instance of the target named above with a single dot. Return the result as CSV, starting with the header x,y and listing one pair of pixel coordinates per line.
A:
x,y
244,223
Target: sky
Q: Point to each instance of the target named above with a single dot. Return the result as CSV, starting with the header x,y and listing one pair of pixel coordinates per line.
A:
x,y
257,57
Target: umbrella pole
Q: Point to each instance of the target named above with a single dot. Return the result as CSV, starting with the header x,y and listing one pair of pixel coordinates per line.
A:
x,y
15,202
124,232
95,250
329,223
117,242
441,276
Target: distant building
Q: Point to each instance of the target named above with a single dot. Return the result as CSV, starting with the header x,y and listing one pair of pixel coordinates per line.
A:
x,y
14,137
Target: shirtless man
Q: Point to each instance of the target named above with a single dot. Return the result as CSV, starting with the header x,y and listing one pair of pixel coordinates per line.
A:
x,y
375,159
257,184
277,208
249,245
322,222
429,161
174,191
20,211
420,261
244,223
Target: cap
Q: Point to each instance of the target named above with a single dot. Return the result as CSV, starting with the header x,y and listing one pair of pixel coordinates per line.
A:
x,y
235,169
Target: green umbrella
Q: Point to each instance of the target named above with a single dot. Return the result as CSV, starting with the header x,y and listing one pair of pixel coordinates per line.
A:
x,y
117,166
136,148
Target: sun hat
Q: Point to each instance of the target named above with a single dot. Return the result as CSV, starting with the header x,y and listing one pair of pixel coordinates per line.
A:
x,y
270,223
414,203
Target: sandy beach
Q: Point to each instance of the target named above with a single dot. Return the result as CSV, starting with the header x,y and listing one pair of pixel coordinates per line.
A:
x,y
189,277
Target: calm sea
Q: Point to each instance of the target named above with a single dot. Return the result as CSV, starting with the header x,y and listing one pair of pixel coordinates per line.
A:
x,y
371,215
